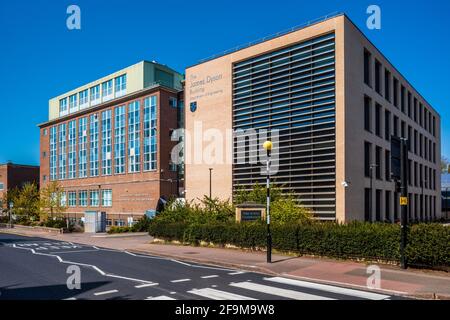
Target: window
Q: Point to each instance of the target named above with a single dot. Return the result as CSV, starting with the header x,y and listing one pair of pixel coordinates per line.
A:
x,y
62,151
387,85
2,186
107,90
63,107
84,99
378,205
367,114
82,198
367,204
378,119
396,126
72,149
409,138
45,132
82,147
173,102
416,179
150,126
378,76
415,110
367,65
387,165
134,134
106,142
378,162
409,104
387,125
63,199
72,199
53,153
120,85
119,222
94,198
396,204
402,98
403,129
387,212
93,150
416,150
367,158
420,114
95,94
119,140
395,92
106,198
73,103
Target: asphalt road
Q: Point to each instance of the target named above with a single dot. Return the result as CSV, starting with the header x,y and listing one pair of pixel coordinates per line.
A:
x,y
37,268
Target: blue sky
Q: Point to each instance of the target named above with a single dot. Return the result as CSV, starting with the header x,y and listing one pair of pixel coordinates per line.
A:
x,y
40,58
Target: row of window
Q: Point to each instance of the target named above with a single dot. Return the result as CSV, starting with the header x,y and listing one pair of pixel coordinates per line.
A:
x,y
419,175
397,94
420,207
87,198
418,143
108,90
98,151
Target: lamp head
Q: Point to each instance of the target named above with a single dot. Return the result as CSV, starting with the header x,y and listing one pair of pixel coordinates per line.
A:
x,y
268,145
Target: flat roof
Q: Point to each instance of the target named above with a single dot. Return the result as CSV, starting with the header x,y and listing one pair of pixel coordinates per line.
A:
x,y
114,101
18,165
304,26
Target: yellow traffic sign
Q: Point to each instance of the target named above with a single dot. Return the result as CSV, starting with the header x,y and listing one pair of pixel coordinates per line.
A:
x,y
403,201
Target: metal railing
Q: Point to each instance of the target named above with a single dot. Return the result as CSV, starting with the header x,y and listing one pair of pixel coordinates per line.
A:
x,y
272,36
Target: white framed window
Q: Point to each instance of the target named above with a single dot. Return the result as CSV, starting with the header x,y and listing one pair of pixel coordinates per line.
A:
x,y
106,198
2,186
82,198
84,99
63,200
94,198
173,102
72,198
120,85
63,107
107,90
95,95
73,103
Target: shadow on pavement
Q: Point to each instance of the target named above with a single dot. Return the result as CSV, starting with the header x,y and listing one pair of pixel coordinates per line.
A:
x,y
53,292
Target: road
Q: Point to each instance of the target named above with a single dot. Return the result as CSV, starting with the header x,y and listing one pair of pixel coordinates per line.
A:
x,y
37,268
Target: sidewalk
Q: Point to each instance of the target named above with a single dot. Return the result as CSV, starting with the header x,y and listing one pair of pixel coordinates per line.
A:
x,y
412,282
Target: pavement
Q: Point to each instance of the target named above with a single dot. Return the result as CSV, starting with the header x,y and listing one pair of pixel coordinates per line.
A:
x,y
294,271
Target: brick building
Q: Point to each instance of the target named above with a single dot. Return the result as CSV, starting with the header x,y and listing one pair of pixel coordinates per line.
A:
x,y
16,175
108,143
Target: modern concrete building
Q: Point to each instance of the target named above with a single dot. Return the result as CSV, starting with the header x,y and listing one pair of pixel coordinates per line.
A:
x,y
15,176
336,100
108,142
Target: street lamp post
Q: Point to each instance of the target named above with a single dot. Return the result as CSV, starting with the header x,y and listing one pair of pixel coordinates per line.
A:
x,y
11,205
268,147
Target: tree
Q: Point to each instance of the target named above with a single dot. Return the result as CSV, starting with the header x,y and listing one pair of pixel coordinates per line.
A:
x,y
445,163
26,201
51,201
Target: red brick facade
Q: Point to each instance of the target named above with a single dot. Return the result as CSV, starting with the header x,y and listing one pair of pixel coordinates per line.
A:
x,y
16,175
132,193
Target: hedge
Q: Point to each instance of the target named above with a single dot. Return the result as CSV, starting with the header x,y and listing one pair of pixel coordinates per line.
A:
x,y
428,244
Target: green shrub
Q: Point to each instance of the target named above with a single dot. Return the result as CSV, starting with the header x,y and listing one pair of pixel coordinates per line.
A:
x,y
428,244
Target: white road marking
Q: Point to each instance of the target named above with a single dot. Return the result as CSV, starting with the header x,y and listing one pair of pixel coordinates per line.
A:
x,y
70,298
291,294
343,284
85,265
145,285
328,288
75,251
236,273
105,292
209,277
218,294
180,280
160,298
